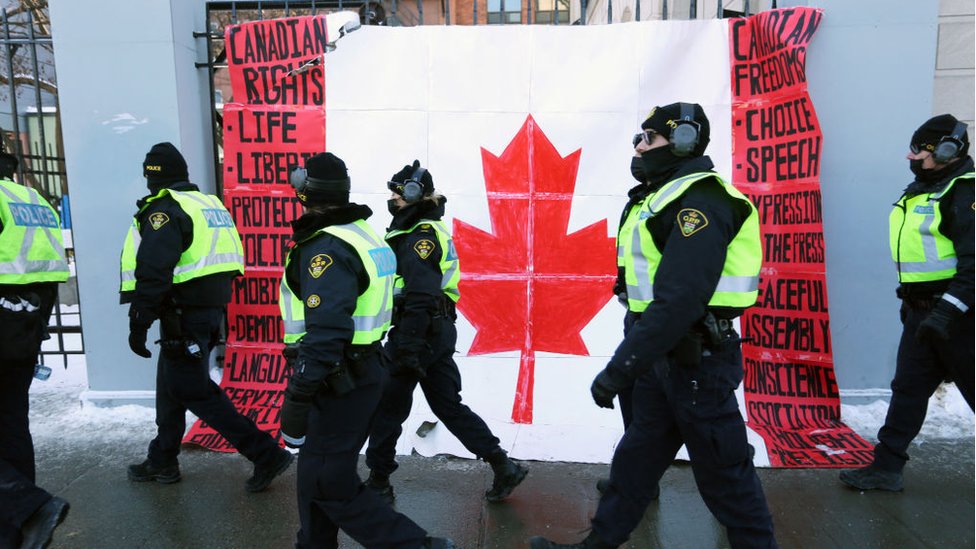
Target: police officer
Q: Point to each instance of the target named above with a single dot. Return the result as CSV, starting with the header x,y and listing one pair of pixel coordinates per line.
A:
x,y
421,345
691,256
931,237
32,263
336,302
179,258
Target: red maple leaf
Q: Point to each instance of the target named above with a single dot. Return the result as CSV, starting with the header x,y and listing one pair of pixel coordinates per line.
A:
x,y
529,286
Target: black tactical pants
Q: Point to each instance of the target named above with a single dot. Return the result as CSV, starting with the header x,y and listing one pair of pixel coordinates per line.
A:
x,y
183,383
920,369
331,495
695,406
19,496
442,388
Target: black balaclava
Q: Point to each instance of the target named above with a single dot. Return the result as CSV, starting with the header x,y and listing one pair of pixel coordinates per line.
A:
x,y
327,182
396,180
8,165
927,138
658,165
164,165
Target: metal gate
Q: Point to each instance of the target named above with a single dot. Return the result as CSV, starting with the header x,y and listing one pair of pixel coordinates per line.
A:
x,y
30,129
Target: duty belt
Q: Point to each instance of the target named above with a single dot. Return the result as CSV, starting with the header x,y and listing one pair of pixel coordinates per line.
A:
x,y
922,303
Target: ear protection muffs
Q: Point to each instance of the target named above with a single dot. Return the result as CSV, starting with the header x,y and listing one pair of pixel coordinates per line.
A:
x,y
684,137
302,183
413,188
950,145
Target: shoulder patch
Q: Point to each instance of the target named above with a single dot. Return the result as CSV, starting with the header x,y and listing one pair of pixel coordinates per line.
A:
x,y
157,220
313,301
690,221
424,248
318,265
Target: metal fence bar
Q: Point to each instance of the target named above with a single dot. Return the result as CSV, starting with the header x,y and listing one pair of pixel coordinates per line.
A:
x,y
18,152
37,99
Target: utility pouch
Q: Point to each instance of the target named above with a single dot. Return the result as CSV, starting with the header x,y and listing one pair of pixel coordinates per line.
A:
x,y
339,380
21,327
173,343
688,352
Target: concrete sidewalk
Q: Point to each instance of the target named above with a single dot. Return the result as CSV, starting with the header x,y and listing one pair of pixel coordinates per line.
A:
x,y
210,508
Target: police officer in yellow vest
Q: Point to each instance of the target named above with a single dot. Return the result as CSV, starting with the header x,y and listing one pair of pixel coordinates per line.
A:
x,y
931,237
420,348
32,263
691,256
180,254
336,302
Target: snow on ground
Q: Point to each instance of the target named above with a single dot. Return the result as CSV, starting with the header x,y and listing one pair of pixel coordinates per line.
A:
x,y
57,412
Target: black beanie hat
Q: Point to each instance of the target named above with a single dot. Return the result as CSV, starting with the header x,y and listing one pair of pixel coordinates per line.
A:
x,y
928,135
664,120
164,164
327,180
404,175
8,163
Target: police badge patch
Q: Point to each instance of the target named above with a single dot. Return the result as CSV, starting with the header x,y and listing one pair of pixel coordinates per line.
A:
x,y
690,221
313,301
319,264
424,248
157,220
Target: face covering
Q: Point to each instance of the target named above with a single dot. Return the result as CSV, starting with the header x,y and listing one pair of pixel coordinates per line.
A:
x,y
637,169
922,174
659,164
392,207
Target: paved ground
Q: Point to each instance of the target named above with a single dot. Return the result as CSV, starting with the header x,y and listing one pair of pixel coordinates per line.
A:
x,y
210,508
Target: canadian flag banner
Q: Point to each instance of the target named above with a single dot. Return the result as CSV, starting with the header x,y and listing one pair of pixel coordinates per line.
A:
x,y
527,131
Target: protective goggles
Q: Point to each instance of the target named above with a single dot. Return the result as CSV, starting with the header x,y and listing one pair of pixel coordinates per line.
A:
x,y
645,135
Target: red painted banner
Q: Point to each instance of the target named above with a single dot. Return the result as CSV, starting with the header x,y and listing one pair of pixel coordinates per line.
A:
x,y
277,62
275,122
791,394
516,282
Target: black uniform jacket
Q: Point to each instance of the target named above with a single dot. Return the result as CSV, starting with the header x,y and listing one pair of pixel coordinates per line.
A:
x,y
956,208
327,275
689,270
418,256
158,254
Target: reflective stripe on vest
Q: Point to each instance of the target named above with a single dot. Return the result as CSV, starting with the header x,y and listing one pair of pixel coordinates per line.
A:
x,y
738,285
215,247
374,308
449,264
31,245
919,249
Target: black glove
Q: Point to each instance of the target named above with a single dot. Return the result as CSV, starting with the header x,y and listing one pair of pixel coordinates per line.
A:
x,y
294,411
407,358
620,291
935,327
138,332
608,384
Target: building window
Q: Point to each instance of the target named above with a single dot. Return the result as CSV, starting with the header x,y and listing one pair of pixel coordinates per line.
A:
x,y
547,11
502,12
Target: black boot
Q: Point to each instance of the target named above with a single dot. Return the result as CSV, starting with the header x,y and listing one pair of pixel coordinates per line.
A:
x,y
591,542
39,528
508,475
380,484
264,474
147,470
873,478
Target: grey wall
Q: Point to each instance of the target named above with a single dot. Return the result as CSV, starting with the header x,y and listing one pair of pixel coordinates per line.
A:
x,y
870,68
127,81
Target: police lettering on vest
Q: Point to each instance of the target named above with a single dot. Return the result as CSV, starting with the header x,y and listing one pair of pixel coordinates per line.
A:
x,y
919,249
31,245
216,246
640,257
374,308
